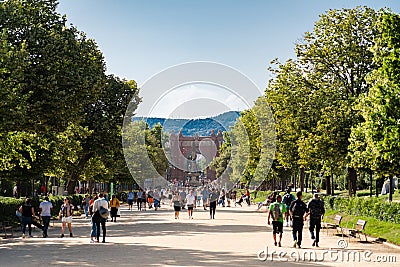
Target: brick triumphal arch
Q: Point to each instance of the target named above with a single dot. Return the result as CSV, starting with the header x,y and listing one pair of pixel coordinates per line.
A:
x,y
191,155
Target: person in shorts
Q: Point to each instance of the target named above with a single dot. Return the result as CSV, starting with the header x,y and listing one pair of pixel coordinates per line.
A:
x,y
191,203
66,211
277,211
176,201
131,197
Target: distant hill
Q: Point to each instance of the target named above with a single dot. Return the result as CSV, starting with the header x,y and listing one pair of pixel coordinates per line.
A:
x,y
190,127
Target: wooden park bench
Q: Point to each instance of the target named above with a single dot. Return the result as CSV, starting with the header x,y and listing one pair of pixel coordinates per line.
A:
x,y
4,227
358,229
335,225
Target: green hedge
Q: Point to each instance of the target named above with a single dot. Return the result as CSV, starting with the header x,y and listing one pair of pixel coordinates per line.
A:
x,y
8,205
366,206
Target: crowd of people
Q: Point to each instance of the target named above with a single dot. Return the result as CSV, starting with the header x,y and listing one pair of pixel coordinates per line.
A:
x,y
99,209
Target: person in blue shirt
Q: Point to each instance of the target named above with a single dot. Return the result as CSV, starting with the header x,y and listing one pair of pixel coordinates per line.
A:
x,y
131,196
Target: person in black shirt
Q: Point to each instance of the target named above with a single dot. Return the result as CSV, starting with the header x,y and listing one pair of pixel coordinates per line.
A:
x,y
213,202
316,211
27,212
297,210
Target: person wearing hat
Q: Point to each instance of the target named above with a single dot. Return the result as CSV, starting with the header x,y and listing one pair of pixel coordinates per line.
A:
x,y
45,208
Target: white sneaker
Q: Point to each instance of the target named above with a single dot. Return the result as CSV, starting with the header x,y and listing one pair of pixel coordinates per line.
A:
x,y
23,235
294,244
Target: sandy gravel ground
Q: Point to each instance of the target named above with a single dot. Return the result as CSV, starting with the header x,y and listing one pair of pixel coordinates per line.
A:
x,y
238,236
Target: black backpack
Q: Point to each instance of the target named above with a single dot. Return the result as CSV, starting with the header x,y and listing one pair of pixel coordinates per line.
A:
x,y
299,208
316,207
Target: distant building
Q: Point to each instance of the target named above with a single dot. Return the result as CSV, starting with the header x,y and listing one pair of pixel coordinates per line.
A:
x,y
189,154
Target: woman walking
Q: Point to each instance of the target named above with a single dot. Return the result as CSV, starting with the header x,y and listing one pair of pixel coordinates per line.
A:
x,y
139,199
114,204
27,212
176,201
66,211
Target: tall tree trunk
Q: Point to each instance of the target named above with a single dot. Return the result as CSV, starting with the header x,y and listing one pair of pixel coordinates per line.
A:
x,y
391,188
294,181
74,174
370,181
333,185
352,174
302,174
307,178
328,185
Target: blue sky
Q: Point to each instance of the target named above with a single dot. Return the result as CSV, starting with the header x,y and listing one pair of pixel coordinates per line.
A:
x,y
141,38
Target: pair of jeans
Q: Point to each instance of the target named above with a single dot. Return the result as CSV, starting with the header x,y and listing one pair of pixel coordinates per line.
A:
x,y
103,227
46,223
26,221
93,233
298,229
87,210
315,223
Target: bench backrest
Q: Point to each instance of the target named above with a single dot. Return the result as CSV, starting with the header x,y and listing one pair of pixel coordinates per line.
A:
x,y
337,219
360,225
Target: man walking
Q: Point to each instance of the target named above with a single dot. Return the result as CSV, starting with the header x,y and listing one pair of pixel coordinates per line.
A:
x,y
316,210
213,197
205,194
85,205
101,202
131,196
45,208
191,203
297,210
276,211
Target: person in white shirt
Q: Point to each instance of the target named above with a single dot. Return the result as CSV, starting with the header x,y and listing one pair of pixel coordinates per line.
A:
x,y
191,203
45,208
100,202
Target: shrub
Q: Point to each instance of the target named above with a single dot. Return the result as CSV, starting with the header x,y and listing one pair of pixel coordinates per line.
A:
x,y
365,206
8,205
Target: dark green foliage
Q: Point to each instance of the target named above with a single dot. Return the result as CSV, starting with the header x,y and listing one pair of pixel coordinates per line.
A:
x,y
362,206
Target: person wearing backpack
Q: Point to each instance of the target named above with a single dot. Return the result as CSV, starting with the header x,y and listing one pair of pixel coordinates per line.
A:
x,y
297,210
99,206
288,198
316,211
277,211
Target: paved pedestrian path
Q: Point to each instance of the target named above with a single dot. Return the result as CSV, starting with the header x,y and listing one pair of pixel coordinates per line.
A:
x,y
237,237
